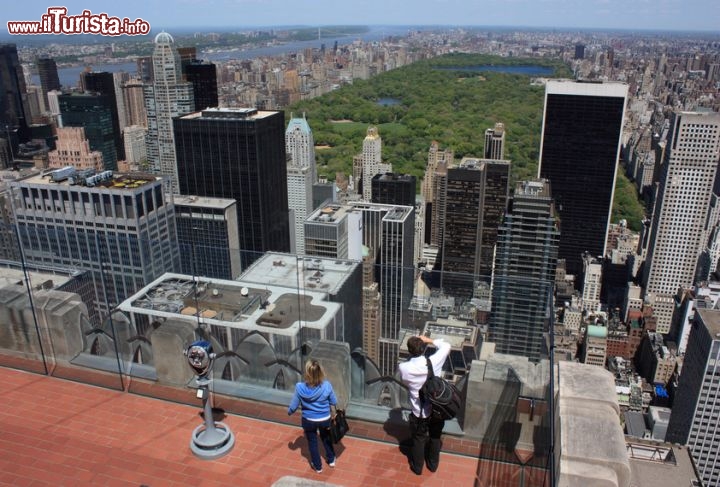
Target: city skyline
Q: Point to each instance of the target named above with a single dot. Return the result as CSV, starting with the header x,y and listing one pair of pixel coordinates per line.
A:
x,y
671,15
523,283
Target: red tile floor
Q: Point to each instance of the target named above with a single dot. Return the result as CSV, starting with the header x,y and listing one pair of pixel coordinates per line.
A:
x,y
55,432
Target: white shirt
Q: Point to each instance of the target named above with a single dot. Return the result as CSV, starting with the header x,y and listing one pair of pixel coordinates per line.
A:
x,y
414,372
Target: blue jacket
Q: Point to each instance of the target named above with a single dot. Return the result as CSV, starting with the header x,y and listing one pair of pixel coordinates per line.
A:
x,y
315,401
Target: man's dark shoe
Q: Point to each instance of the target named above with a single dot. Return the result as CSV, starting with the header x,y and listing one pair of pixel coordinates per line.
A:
x,y
415,470
431,466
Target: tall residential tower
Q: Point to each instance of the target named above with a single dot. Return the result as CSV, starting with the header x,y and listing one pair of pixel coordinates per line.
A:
x,y
301,174
495,142
167,97
677,235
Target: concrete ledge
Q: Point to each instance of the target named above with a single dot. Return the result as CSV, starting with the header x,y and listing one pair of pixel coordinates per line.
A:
x,y
589,439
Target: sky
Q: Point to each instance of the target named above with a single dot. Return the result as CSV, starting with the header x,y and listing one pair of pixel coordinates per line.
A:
x,y
684,15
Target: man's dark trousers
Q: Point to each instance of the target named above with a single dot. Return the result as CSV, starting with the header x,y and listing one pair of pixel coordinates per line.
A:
x,y
425,434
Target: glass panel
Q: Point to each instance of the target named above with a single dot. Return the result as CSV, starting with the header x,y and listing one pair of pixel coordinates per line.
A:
x,y
129,306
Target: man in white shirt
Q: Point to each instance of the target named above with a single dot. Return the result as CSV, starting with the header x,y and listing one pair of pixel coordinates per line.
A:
x,y
425,431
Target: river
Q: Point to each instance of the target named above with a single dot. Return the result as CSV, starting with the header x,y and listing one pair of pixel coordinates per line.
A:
x,y
71,76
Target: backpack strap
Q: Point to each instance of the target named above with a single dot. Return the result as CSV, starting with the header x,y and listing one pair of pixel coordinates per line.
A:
x,y
431,372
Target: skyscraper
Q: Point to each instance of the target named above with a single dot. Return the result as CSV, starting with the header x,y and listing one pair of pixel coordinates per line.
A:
x,y
135,147
134,103
119,80
93,112
439,192
495,142
427,186
371,161
187,55
393,189
696,409
145,69
386,249
524,272
120,227
167,97
203,77
104,84
49,79
396,281
371,307
579,151
239,153
73,149
329,231
12,86
208,237
579,51
475,201
301,173
677,235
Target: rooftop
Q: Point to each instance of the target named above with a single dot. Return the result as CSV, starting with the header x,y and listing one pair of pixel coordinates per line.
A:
x,y
249,306
46,280
97,436
298,124
203,201
314,273
659,464
711,318
584,88
69,176
229,114
478,164
456,332
329,213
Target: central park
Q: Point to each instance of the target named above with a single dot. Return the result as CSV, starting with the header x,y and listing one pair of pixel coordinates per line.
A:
x,y
450,99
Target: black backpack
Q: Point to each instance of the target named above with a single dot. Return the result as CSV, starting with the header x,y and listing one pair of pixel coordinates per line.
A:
x,y
443,396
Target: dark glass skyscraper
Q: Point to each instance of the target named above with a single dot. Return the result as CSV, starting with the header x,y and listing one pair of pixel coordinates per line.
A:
x,y
12,87
203,77
104,83
240,154
393,189
49,79
579,51
525,264
474,203
94,112
579,151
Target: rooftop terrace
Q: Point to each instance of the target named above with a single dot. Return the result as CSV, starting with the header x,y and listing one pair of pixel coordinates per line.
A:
x,y
95,436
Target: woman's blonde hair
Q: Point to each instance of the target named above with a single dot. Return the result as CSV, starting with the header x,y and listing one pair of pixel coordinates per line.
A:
x,y
314,373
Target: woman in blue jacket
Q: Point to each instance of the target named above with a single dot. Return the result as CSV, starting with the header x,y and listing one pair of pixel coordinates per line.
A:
x,y
315,395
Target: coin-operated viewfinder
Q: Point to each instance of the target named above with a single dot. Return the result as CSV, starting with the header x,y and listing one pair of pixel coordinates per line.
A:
x,y
212,439
200,356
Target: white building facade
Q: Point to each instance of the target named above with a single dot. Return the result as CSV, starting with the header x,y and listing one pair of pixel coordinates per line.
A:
x,y
166,98
301,175
678,233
